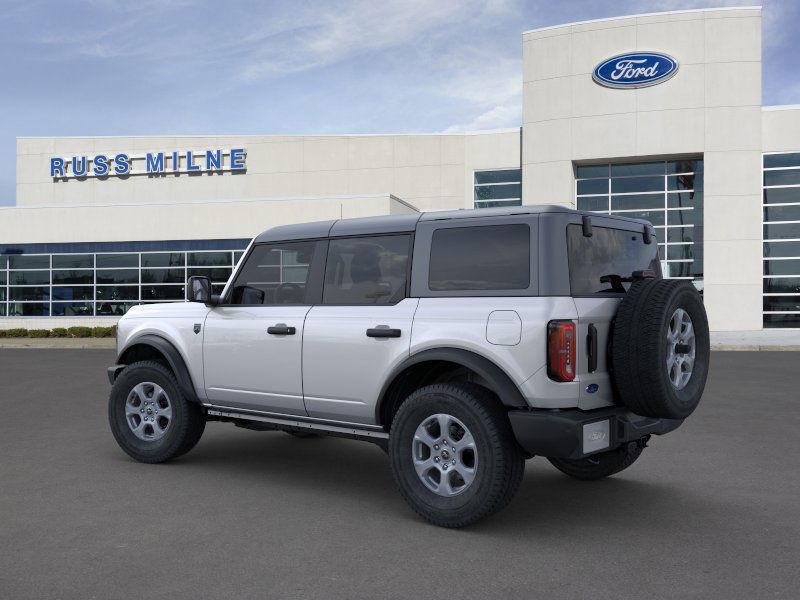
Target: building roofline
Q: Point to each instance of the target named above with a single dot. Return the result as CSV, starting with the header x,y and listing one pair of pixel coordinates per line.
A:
x,y
386,195
651,14
781,107
261,135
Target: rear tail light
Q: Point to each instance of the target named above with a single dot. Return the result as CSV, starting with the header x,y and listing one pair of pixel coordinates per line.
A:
x,y
561,350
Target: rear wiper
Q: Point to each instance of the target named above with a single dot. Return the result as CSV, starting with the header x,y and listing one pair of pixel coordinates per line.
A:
x,y
616,281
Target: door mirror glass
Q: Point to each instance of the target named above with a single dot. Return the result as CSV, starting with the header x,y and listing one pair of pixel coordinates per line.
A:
x,y
198,289
245,294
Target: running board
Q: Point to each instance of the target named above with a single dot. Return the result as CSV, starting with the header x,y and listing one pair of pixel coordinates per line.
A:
x,y
371,433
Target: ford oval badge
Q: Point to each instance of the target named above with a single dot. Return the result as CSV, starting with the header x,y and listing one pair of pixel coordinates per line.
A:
x,y
635,70
592,388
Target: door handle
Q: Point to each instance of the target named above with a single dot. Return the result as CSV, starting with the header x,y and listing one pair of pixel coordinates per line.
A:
x,y
281,329
382,331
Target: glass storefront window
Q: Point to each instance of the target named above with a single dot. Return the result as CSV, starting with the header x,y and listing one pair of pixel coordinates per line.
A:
x,y
111,261
28,309
73,261
72,292
500,187
163,276
593,186
66,277
162,292
108,283
112,309
782,249
209,259
216,275
117,292
118,276
73,309
787,195
29,293
29,277
666,193
164,259
781,229
22,261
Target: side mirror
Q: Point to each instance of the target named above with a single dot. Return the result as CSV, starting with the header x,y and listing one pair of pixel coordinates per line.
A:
x,y
198,289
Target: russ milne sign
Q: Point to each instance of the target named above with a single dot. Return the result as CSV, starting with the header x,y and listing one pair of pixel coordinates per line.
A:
x,y
635,70
151,163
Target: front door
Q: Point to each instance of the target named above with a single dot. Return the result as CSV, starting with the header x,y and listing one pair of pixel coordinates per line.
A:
x,y
252,344
362,329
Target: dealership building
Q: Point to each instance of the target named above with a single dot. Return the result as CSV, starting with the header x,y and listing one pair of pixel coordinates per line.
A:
x,y
651,116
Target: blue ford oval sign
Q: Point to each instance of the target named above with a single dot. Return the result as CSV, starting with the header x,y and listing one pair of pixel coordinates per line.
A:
x,y
635,70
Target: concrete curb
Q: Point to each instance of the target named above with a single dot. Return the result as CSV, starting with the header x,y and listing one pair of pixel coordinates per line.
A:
x,y
57,343
754,348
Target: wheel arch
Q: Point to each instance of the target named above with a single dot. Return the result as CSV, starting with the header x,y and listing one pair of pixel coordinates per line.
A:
x,y
155,347
429,366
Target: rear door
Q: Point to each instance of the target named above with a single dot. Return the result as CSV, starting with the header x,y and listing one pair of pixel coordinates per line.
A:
x,y
361,330
614,250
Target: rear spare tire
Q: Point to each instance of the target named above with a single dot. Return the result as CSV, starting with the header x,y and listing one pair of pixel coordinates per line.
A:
x,y
660,348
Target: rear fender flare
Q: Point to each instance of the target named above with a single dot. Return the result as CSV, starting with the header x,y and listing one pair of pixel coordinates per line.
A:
x,y
498,380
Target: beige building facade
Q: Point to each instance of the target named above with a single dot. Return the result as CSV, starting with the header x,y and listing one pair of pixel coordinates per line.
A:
x,y
695,153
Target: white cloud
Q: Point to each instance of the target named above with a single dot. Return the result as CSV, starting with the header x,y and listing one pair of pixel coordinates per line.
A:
x,y
498,117
327,36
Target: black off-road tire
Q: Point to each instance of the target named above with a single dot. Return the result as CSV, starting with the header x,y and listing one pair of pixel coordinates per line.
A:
x,y
601,465
185,429
639,348
500,466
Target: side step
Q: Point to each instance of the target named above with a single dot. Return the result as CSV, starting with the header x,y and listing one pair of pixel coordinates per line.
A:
x,y
370,433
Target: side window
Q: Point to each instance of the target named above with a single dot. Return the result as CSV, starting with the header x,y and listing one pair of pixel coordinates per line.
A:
x,y
274,274
367,270
490,257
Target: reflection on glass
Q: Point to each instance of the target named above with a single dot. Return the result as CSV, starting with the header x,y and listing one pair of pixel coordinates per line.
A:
x,y
23,261
117,260
73,309
72,292
73,261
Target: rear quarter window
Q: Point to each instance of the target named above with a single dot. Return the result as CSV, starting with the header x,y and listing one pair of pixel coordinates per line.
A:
x,y
490,257
606,252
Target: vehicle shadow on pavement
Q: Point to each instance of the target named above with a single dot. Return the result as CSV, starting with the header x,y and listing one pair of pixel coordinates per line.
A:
x,y
547,502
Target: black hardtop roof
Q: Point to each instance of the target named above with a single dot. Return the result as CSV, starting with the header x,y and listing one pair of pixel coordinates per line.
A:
x,y
406,222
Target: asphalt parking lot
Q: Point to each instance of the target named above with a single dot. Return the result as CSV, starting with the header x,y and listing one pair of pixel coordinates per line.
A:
x,y
710,511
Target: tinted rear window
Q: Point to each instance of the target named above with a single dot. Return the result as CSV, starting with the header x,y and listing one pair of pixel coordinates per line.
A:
x,y
492,257
607,252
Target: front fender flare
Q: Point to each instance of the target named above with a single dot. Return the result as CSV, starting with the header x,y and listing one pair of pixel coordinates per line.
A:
x,y
173,357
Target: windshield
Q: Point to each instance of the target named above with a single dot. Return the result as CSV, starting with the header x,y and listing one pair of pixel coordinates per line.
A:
x,y
602,263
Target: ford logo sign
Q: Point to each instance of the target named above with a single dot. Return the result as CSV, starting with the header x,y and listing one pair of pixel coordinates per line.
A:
x,y
635,70
592,388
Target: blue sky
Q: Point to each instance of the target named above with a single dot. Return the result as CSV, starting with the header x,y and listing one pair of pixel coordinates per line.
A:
x,y
152,67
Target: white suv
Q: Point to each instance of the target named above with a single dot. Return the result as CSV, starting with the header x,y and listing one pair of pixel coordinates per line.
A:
x,y
461,342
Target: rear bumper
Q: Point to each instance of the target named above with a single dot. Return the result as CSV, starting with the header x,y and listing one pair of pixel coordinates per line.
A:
x,y
577,433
